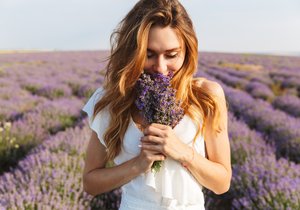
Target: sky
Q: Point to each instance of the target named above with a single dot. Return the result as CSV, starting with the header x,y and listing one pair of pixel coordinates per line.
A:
x,y
253,26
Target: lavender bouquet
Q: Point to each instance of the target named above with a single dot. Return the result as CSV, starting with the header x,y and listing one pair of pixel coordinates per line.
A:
x,y
156,100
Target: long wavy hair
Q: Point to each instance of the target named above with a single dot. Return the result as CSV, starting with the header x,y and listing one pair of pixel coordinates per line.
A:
x,y
126,61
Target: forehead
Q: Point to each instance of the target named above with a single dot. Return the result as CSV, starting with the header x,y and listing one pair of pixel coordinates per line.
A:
x,y
161,39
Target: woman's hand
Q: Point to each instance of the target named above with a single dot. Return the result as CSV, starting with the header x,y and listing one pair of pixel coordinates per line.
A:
x,y
146,158
162,139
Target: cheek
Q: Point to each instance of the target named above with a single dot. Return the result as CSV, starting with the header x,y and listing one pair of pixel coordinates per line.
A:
x,y
177,64
147,65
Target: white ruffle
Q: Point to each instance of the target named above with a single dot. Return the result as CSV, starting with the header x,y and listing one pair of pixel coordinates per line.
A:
x,y
101,121
174,182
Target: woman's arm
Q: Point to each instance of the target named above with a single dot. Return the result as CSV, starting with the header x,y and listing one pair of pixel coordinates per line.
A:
x,y
215,172
96,178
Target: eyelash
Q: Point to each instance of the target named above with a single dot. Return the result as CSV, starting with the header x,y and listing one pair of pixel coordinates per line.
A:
x,y
172,56
168,56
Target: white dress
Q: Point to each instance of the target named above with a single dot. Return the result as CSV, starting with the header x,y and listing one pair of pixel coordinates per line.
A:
x,y
173,187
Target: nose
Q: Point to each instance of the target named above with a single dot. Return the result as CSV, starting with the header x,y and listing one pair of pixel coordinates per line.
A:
x,y
160,66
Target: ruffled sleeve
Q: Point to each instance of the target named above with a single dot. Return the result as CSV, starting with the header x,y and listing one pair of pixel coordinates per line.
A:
x,y
101,120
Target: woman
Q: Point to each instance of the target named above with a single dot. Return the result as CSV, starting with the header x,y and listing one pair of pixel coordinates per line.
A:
x,y
157,36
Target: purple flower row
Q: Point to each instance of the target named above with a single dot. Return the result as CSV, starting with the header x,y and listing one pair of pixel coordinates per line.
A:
x,y
273,71
267,62
259,180
15,101
34,126
27,81
266,183
259,90
51,176
280,128
277,125
288,103
50,74
255,88
287,82
228,79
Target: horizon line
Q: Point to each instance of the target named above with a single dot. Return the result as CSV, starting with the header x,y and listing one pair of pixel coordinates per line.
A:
x,y
272,53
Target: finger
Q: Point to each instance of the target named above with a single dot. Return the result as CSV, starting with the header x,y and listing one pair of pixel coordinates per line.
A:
x,y
151,139
159,157
152,130
160,126
155,154
152,147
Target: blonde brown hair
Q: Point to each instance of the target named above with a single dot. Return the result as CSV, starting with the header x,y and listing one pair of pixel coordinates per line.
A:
x,y
126,61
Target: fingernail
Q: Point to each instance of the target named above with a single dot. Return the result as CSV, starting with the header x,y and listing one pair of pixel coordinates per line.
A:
x,y
139,145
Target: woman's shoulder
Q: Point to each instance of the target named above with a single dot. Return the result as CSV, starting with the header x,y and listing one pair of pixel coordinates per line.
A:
x,y
210,86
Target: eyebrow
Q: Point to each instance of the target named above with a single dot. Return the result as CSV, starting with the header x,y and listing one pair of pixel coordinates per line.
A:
x,y
169,50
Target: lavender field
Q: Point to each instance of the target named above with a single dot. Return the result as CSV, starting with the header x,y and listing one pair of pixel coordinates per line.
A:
x,y
44,134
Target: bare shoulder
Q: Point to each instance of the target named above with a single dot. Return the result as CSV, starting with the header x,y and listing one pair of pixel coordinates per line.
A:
x,y
212,87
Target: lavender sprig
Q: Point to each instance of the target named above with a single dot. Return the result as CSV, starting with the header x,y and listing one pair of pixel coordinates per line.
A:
x,y
156,100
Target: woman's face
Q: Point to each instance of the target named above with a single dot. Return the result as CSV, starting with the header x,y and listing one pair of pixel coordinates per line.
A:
x,y
165,51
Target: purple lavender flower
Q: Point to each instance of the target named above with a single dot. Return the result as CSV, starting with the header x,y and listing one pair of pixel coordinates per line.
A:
x,y
288,103
259,90
156,100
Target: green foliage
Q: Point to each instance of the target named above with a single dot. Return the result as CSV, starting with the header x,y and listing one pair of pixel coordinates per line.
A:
x,y
12,147
31,88
276,88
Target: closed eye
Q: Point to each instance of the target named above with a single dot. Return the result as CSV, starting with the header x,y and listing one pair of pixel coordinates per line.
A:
x,y
150,55
168,56
172,56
